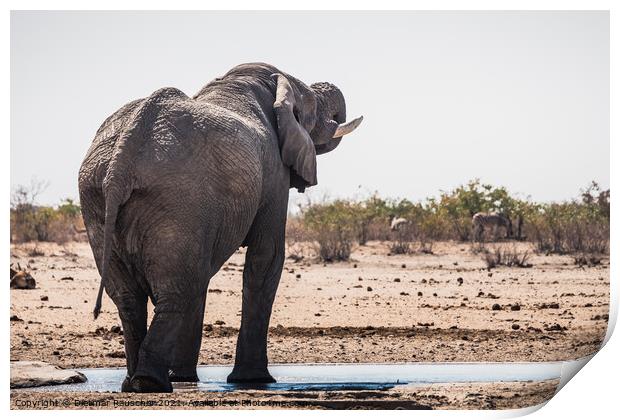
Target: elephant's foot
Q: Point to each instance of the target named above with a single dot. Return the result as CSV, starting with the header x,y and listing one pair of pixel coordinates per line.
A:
x,y
250,376
126,386
146,384
183,376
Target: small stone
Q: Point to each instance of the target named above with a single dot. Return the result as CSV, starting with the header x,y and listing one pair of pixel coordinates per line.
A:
x,y
515,307
496,307
369,289
297,276
45,298
515,326
403,266
396,280
459,280
419,293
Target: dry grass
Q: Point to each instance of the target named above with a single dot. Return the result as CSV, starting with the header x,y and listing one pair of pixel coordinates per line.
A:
x,y
505,256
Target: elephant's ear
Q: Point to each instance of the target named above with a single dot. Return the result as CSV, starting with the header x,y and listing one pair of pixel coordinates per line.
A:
x,y
296,146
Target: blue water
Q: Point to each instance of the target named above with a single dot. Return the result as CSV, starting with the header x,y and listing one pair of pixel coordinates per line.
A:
x,y
325,377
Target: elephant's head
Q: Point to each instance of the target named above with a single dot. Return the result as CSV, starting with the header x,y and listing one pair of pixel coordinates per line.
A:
x,y
311,121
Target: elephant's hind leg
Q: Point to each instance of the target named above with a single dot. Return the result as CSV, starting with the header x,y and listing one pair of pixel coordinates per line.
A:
x,y
178,292
131,302
133,317
183,368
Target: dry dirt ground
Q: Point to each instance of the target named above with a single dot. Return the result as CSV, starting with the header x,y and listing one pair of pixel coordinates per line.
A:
x,y
375,308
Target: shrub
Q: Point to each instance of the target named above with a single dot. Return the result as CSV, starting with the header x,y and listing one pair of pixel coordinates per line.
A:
x,y
333,228
571,227
296,236
30,222
577,226
509,257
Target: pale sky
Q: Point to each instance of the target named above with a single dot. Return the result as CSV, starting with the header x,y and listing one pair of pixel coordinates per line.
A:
x,y
519,99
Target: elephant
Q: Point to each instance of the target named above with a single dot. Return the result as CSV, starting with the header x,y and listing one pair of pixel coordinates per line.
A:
x,y
172,186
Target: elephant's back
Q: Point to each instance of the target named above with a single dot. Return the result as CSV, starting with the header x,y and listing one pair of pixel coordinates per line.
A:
x,y
200,147
170,135
95,164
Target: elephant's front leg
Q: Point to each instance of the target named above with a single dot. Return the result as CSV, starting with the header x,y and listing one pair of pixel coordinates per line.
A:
x,y
261,275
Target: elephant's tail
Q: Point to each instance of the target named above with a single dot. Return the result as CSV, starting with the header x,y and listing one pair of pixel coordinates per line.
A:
x,y
111,210
117,187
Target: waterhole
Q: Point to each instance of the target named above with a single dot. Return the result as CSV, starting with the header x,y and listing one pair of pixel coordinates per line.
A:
x,y
326,377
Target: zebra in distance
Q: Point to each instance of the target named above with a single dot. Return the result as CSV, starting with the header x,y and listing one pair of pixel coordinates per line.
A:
x,y
492,221
397,223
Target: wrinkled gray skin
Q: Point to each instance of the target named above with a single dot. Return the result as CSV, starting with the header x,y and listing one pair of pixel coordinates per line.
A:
x,y
172,186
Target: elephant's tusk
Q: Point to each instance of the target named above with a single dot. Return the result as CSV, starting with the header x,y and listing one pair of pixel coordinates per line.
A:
x,y
346,128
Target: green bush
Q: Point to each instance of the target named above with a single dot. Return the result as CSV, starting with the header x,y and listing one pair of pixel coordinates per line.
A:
x,y
580,225
333,226
30,222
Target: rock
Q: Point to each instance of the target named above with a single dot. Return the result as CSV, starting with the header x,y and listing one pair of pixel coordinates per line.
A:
x,y
15,318
515,307
515,326
26,374
396,280
496,307
555,327
45,298
369,289
460,280
419,293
